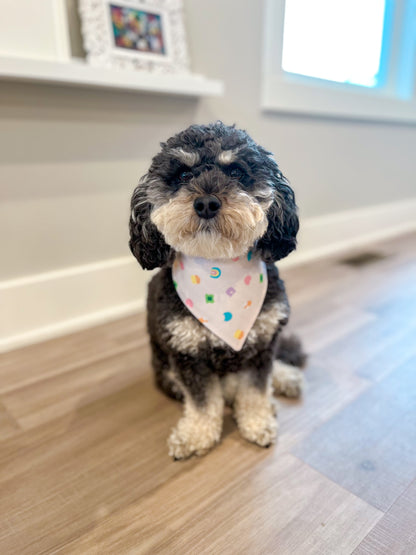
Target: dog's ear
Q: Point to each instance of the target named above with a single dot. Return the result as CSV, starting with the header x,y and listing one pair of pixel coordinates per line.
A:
x,y
280,237
146,242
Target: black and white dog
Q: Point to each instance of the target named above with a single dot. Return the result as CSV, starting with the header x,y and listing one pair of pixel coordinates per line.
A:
x,y
212,195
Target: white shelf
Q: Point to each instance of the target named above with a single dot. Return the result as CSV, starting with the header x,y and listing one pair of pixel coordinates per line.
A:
x,y
77,73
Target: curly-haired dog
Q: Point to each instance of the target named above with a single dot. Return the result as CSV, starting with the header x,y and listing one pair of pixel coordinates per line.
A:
x,y
216,201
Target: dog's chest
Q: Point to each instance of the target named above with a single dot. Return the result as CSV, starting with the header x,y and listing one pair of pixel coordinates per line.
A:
x,y
185,334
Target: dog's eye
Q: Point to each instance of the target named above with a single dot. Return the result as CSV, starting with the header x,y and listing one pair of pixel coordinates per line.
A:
x,y
236,173
185,176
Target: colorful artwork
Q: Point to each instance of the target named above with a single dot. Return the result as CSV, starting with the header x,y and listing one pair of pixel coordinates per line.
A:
x,y
137,30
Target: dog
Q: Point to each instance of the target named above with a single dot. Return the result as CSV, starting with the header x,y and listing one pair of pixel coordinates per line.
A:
x,y
213,198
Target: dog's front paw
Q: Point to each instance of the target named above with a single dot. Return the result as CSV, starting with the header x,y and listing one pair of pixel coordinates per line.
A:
x,y
287,380
193,438
259,428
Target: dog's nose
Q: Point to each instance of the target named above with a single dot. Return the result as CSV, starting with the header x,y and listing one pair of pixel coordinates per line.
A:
x,y
207,207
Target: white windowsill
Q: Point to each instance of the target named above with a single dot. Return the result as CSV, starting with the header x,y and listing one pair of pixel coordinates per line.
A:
x,y
288,93
282,94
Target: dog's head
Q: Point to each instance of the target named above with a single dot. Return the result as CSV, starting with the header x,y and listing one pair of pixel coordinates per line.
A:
x,y
212,192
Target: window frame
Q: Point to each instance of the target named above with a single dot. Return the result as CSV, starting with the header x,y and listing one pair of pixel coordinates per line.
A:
x,y
394,100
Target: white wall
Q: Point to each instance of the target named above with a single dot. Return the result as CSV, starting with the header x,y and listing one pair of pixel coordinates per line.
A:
x,y
69,159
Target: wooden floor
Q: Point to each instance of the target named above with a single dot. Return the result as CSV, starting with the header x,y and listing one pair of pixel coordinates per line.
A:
x,y
83,456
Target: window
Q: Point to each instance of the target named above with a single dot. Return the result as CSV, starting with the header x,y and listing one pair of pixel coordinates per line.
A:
x,y
339,41
351,58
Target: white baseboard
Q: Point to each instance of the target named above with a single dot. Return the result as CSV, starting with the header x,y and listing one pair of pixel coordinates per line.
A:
x,y
342,231
42,306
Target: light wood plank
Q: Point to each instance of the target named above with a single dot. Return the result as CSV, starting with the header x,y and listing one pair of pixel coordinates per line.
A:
x,y
332,326
25,366
370,446
67,392
8,425
277,505
101,458
395,533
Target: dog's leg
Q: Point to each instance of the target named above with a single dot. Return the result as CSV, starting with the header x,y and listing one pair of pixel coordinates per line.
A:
x,y
287,379
164,376
254,410
200,427
229,385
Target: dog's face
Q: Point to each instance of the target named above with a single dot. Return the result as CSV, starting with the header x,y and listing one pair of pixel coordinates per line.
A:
x,y
212,192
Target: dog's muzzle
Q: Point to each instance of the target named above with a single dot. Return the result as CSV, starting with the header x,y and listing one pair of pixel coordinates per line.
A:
x,y
207,207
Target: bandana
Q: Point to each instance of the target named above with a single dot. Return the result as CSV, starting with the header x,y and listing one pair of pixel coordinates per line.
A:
x,y
226,296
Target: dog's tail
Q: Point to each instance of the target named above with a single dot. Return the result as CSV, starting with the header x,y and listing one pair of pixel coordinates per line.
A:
x,y
290,351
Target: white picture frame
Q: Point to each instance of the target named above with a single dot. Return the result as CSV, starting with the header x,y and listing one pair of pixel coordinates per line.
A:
x,y
35,29
147,35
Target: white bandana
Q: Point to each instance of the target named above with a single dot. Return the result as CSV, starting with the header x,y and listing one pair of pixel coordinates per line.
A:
x,y
224,295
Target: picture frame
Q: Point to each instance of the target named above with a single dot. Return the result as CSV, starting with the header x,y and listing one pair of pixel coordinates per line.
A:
x,y
35,29
146,35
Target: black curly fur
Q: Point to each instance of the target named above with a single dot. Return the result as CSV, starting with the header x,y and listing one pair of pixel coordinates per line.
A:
x,y
290,351
146,242
280,237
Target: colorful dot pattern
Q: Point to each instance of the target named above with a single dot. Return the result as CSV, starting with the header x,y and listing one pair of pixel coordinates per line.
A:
x,y
226,296
215,272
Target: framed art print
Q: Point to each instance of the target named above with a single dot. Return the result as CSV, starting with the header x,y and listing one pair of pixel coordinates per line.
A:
x,y
135,34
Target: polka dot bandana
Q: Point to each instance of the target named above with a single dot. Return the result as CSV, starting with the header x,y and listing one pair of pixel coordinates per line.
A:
x,y
226,296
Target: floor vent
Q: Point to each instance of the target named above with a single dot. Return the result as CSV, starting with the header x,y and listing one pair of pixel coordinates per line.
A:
x,y
362,259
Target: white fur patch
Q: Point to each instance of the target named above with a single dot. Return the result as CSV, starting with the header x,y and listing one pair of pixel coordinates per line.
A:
x,y
287,380
255,412
186,157
187,335
227,157
267,322
240,222
229,384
